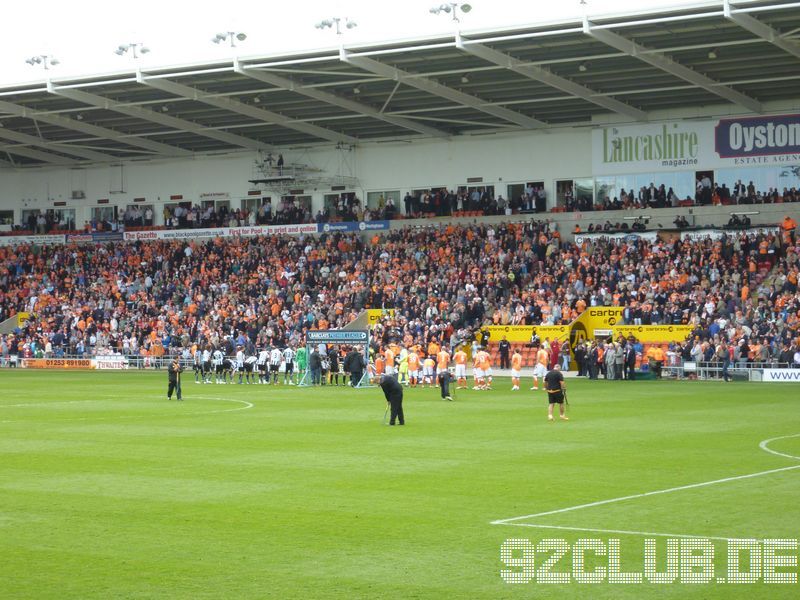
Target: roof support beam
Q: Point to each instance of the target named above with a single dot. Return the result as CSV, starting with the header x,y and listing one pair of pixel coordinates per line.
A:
x,y
437,89
46,157
93,130
154,117
548,78
760,29
241,108
336,100
32,140
665,63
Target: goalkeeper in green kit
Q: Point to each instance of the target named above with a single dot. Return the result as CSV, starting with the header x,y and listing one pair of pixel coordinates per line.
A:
x,y
301,360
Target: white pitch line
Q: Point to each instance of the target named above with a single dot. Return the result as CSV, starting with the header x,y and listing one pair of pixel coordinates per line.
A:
x,y
47,403
211,412
763,445
644,495
623,532
121,417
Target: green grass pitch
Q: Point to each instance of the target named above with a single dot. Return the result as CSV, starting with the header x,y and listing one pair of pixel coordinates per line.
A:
x,y
109,491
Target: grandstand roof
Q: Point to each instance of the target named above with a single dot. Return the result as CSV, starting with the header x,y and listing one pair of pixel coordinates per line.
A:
x,y
518,78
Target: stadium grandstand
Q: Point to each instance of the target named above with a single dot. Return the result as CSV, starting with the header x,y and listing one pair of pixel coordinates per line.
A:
x,y
620,191
516,150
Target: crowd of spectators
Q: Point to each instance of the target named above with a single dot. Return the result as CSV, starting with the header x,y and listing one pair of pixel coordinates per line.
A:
x,y
706,193
418,204
287,211
157,297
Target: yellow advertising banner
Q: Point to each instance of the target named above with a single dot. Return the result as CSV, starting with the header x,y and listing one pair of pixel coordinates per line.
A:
x,y
58,363
595,318
22,317
654,333
521,334
376,314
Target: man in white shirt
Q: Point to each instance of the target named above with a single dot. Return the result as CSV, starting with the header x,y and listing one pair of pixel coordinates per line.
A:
x,y
240,362
206,365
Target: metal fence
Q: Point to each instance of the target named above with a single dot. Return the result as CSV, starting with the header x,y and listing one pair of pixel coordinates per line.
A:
x,y
713,370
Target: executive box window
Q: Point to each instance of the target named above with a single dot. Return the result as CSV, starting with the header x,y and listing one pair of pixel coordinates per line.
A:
x,y
527,197
375,199
104,214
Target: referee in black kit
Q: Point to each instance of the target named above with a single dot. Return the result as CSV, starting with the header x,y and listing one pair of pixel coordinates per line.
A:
x,y
174,374
394,396
554,384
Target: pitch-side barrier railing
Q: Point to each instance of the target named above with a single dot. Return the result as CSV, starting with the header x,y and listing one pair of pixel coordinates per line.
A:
x,y
710,370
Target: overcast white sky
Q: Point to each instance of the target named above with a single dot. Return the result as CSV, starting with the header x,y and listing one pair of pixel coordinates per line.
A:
x,y
83,34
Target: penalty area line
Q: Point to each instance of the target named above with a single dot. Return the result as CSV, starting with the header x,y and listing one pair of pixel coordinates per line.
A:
x,y
643,495
624,532
764,445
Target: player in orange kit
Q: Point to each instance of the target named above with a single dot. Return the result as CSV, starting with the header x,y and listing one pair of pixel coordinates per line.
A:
x,y
442,361
389,366
429,371
540,370
487,368
460,358
481,365
413,367
516,367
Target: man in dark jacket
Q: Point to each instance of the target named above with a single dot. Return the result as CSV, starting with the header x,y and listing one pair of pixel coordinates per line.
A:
x,y
315,366
580,358
505,348
394,396
630,362
354,364
592,358
174,374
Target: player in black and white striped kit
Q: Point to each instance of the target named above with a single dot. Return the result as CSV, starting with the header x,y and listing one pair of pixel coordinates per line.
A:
x,y
288,359
250,368
275,358
263,359
198,365
217,360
